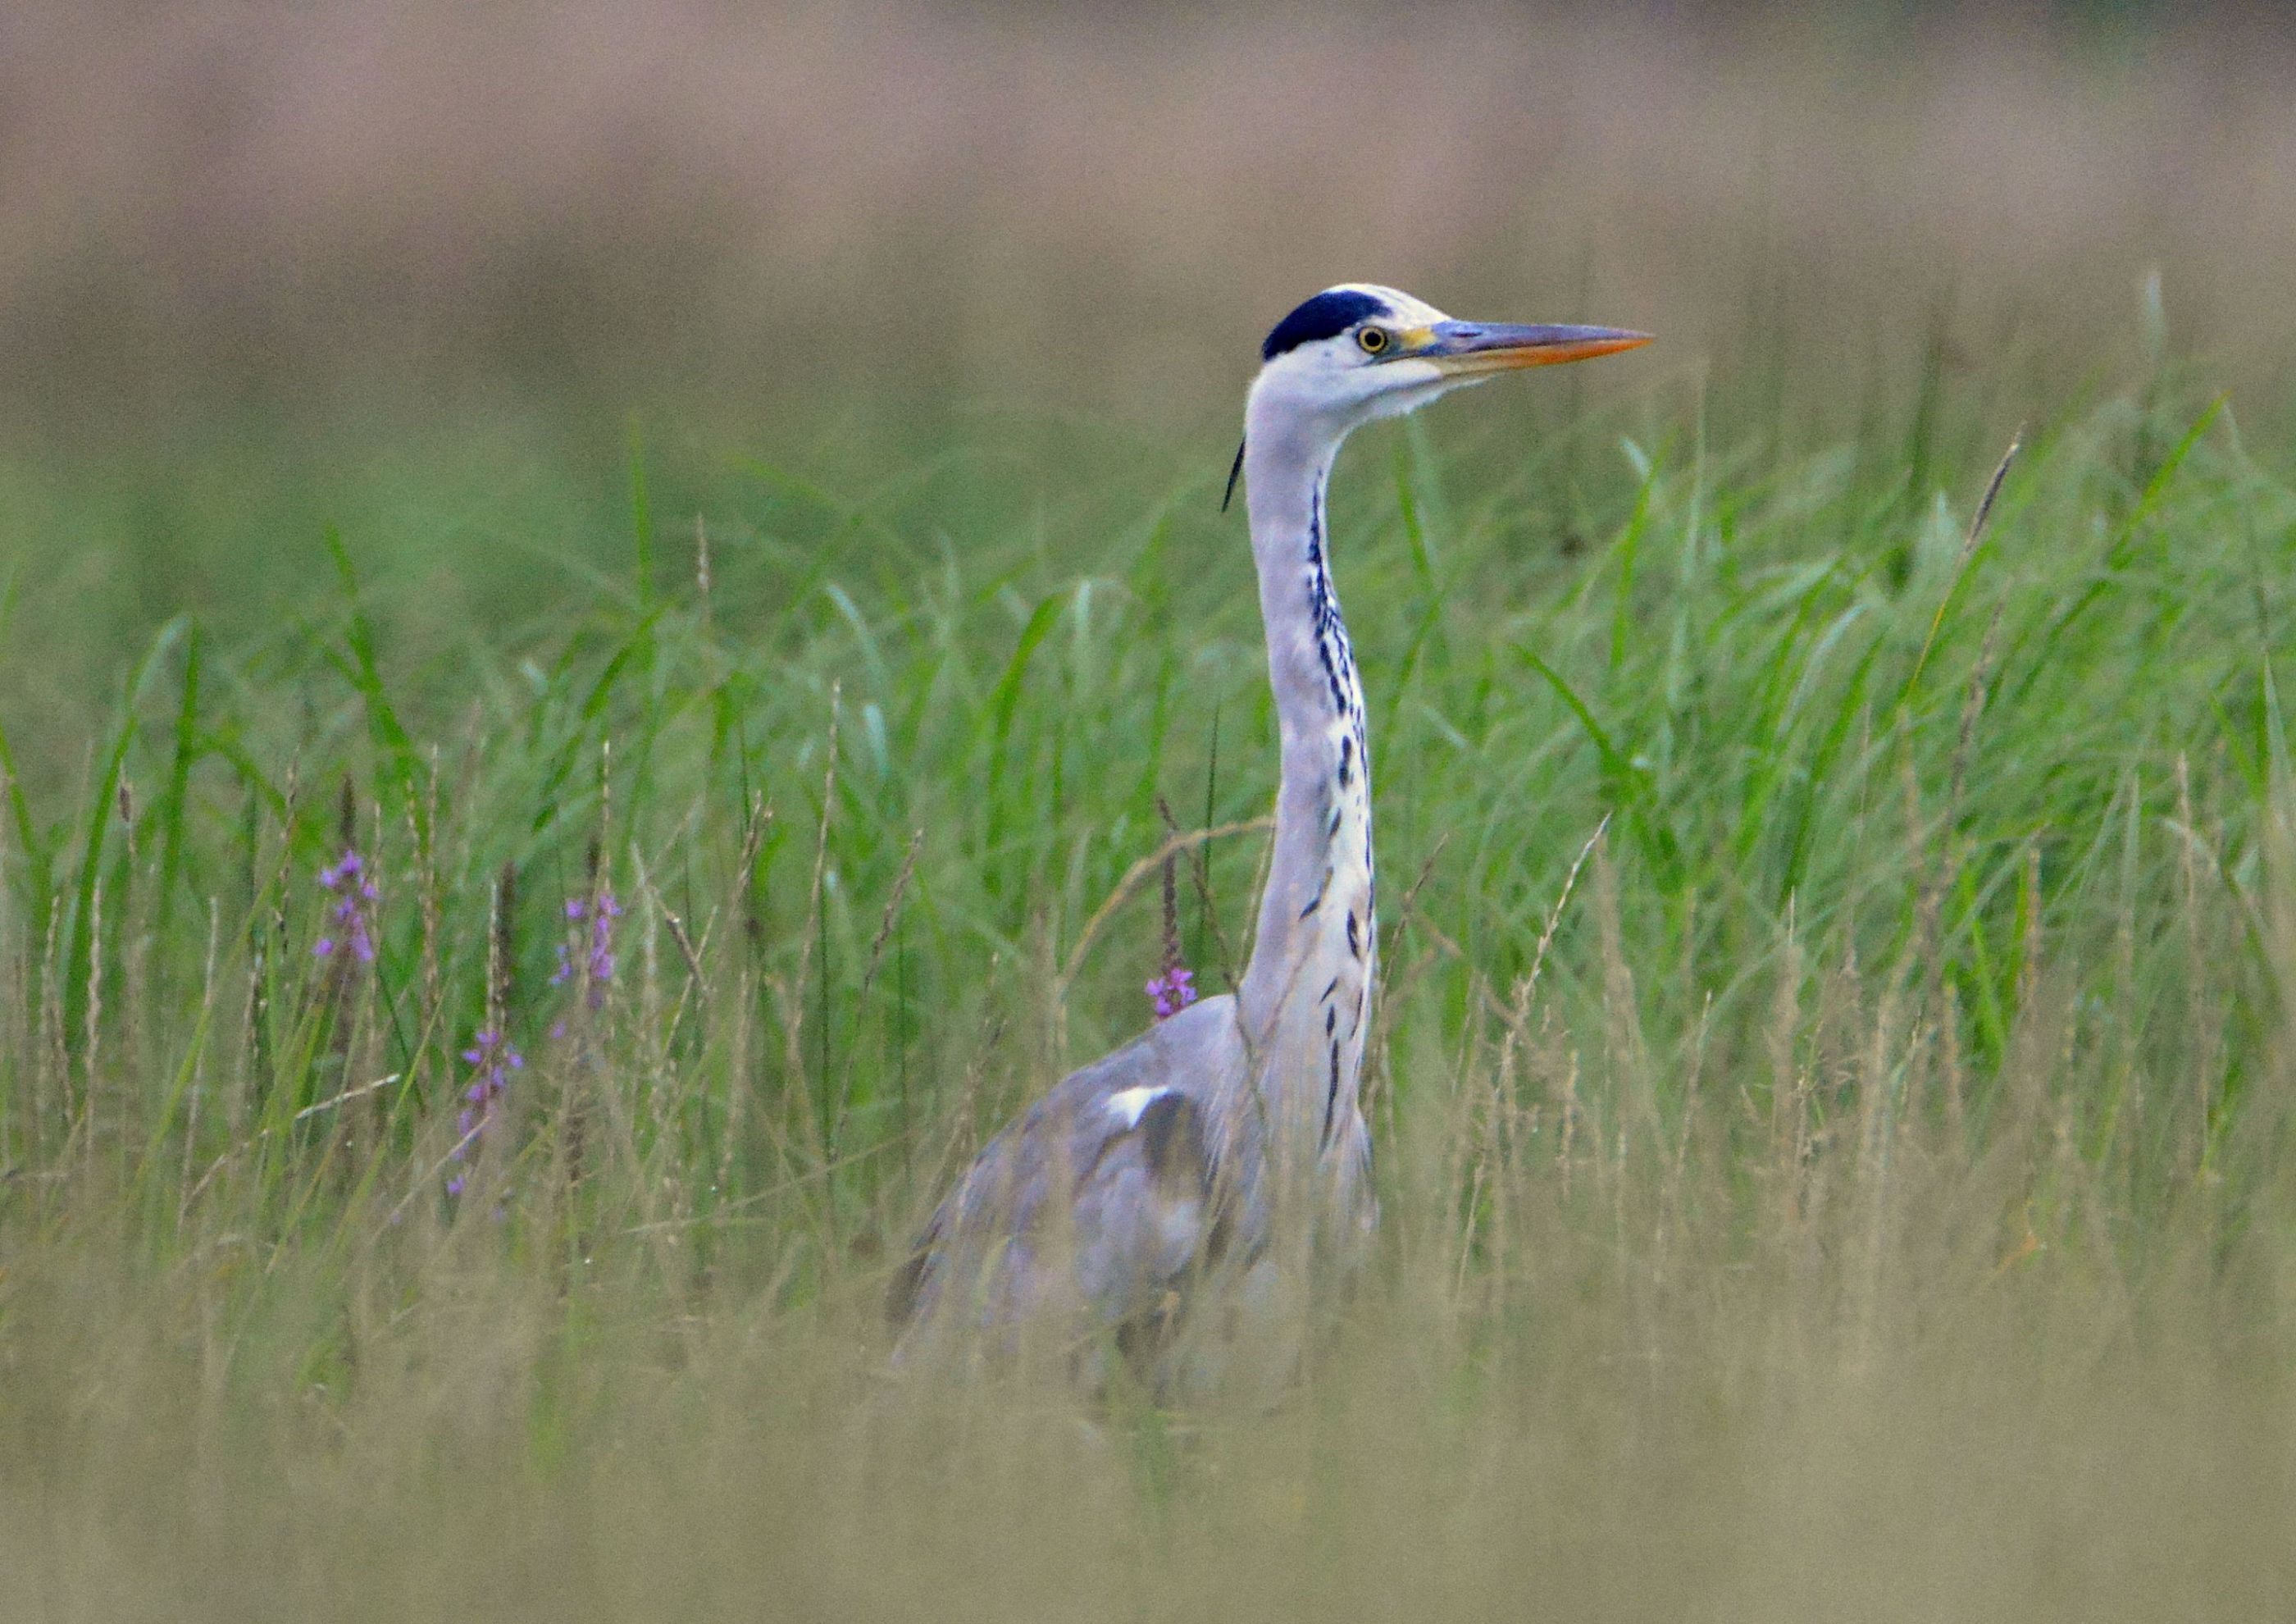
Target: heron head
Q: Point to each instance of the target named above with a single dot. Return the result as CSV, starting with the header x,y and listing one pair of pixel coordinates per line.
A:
x,y
1360,352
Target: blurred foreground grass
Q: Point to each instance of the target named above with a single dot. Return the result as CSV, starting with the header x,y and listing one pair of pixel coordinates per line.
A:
x,y
1878,1204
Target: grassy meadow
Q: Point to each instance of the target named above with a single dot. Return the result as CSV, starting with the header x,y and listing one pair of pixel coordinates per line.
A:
x,y
1836,1069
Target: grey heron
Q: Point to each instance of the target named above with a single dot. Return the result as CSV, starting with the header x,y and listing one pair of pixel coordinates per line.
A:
x,y
1182,1198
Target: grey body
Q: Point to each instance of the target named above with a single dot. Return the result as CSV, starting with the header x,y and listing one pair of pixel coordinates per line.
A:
x,y
1180,1202
1133,1197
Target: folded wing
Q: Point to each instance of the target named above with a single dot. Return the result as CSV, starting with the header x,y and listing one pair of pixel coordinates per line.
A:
x,y
1101,1202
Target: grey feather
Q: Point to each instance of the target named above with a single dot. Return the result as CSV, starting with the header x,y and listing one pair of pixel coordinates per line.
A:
x,y
1115,1219
1134,1181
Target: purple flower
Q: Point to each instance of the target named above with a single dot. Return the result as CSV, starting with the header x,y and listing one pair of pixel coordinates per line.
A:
x,y
597,945
1173,991
492,1058
352,912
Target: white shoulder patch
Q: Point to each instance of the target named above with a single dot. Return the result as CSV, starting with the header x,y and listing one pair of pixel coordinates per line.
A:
x,y
1127,1105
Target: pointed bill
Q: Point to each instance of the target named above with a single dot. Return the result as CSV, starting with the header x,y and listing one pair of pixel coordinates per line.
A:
x,y
1487,346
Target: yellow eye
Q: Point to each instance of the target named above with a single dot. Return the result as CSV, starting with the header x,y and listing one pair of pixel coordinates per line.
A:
x,y
1374,339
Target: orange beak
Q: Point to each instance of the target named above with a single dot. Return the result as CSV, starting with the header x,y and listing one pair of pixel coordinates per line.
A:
x,y
1488,347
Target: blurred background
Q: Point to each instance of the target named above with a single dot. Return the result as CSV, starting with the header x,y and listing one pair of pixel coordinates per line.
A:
x,y
226,212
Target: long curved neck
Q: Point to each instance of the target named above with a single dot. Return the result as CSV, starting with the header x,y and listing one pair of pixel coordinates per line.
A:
x,y
1305,1001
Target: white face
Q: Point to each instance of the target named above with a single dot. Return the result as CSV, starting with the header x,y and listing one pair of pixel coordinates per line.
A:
x,y
1343,380
1360,352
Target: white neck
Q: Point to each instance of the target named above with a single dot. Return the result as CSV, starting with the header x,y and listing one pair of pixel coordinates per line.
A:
x,y
1306,998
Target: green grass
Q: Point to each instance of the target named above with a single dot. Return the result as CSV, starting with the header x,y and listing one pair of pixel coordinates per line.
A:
x,y
1875,1205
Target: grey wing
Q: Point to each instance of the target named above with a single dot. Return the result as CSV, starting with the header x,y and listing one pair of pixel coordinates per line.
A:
x,y
1099,1199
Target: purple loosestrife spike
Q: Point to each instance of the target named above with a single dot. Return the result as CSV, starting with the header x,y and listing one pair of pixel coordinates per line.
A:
x,y
1174,990
598,959
492,1058
356,894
